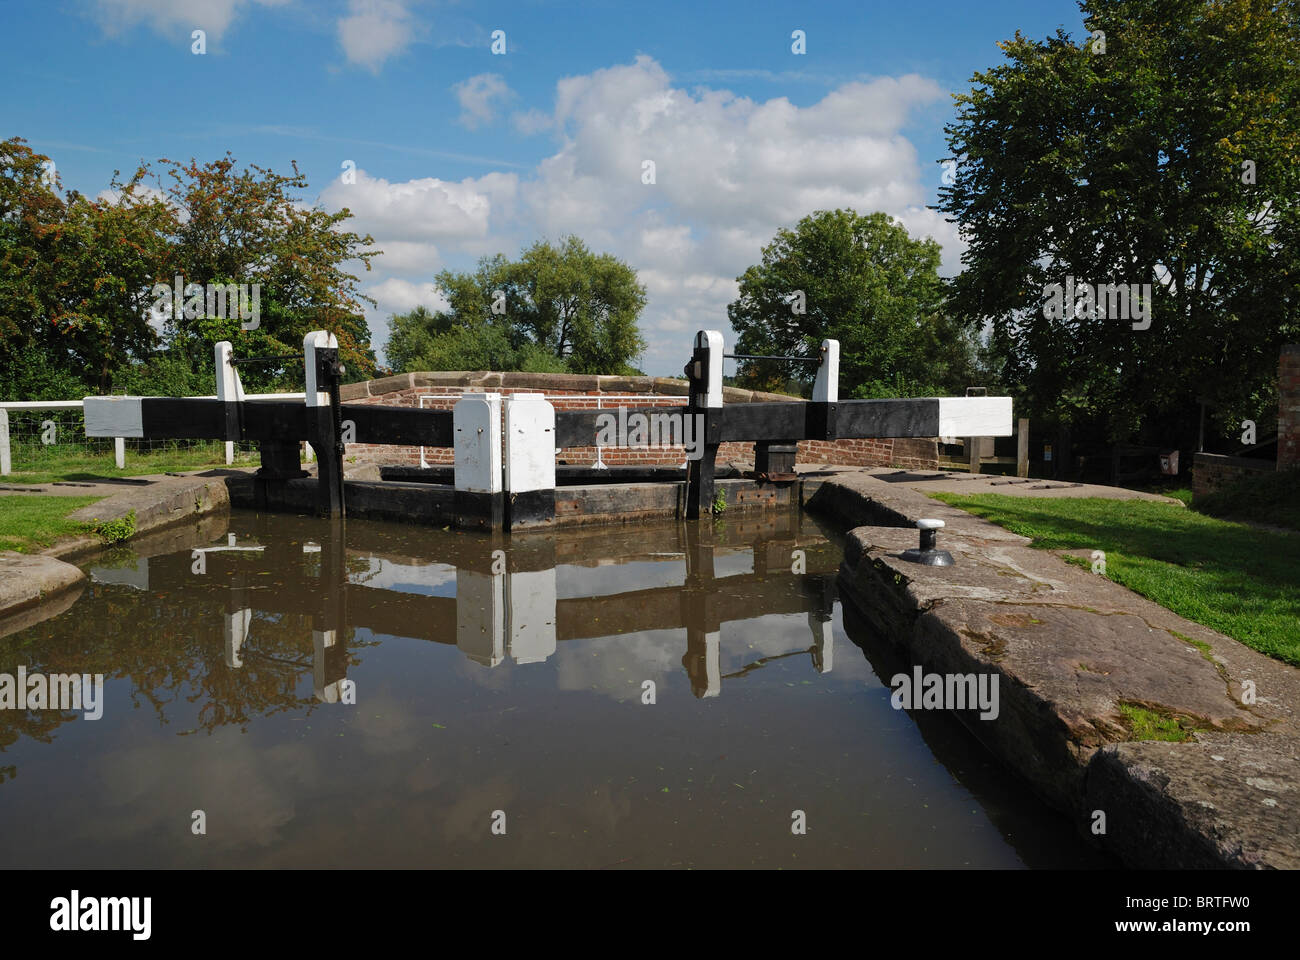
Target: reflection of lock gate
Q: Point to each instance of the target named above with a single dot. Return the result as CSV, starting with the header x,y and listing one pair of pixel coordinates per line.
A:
x,y
506,602
508,480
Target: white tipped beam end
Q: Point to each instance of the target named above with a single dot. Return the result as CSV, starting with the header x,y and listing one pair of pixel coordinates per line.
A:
x,y
975,417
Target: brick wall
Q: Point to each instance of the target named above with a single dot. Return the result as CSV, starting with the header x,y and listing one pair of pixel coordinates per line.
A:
x,y
577,392
1214,471
1288,408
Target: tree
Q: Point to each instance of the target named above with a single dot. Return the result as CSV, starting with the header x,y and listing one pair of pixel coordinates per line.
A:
x,y
859,279
250,226
556,309
1166,152
77,277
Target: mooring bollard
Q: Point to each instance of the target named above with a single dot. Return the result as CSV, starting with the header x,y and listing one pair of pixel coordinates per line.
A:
x,y
928,554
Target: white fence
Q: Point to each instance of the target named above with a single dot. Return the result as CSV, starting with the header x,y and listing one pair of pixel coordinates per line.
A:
x,y
119,443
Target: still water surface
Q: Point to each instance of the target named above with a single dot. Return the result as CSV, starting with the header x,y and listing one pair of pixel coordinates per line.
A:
x,y
496,682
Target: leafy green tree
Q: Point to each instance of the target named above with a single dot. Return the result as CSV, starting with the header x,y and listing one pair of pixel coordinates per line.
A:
x,y
1171,157
862,280
556,309
250,226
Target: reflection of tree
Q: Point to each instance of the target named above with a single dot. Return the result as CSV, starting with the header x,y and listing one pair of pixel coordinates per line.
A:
x,y
171,647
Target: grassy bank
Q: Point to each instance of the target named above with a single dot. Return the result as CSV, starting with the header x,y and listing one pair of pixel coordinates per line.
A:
x,y
1239,580
29,524
70,463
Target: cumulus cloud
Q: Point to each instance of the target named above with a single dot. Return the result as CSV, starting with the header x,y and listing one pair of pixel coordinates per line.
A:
x,y
375,30
478,97
174,17
729,172
426,210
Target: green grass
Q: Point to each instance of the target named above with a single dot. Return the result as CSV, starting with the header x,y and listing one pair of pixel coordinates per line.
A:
x,y
29,524
1239,580
1148,725
70,463
1269,498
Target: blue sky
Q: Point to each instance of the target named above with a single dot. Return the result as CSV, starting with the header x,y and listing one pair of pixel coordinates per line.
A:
x,y
460,152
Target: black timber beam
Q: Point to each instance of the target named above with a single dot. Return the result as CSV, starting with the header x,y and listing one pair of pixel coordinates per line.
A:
x,y
578,428
401,425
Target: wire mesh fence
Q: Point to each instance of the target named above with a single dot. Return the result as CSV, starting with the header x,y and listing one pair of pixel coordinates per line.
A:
x,y
52,440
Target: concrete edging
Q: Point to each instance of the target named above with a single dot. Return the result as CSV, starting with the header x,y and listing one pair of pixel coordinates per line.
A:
x,y
1069,648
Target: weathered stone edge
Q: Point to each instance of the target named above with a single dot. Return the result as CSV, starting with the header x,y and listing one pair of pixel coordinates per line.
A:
x,y
1167,838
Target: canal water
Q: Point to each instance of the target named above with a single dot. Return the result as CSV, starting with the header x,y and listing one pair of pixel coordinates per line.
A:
x,y
287,692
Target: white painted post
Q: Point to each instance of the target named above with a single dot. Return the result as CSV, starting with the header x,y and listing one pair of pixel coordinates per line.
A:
x,y
529,460
712,341
530,604
476,419
119,452
317,338
826,388
4,443
229,386
530,443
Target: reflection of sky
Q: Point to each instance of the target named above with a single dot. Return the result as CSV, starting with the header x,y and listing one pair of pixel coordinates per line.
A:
x,y
602,580
429,579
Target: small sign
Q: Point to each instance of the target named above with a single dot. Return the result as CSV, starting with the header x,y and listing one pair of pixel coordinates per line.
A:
x,y
1047,451
1169,463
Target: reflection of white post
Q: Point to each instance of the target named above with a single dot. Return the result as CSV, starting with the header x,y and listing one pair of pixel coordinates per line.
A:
x,y
236,633
321,641
823,638
826,388
712,664
480,616
530,600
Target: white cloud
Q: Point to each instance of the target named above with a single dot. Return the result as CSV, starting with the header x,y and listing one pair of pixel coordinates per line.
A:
x,y
174,17
426,210
476,96
375,30
529,123
730,172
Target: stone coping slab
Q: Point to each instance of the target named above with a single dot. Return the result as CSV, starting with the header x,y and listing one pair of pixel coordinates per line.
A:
x,y
1069,648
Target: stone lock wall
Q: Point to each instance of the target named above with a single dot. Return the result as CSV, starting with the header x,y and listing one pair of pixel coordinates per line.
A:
x,y
579,392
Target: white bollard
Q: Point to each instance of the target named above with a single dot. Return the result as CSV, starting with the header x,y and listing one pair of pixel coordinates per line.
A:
x,y
826,388
529,461
476,420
